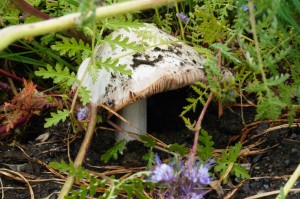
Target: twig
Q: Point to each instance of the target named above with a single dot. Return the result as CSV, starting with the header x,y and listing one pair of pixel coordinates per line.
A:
x,y
198,127
82,151
13,33
19,79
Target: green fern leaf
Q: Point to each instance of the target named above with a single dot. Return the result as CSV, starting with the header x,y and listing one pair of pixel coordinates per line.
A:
x,y
148,141
230,158
118,148
263,108
278,79
225,51
118,41
85,95
71,47
179,148
205,148
234,152
240,171
59,74
113,64
56,117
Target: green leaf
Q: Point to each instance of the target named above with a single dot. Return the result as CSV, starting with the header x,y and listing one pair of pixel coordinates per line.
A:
x,y
230,158
118,148
205,147
148,141
269,107
124,43
277,80
59,74
225,51
85,95
179,148
113,64
71,47
240,171
18,57
150,158
56,117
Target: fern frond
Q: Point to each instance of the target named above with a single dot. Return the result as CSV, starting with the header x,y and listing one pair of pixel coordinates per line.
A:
x,y
56,117
71,47
59,74
118,41
225,52
113,64
119,147
85,95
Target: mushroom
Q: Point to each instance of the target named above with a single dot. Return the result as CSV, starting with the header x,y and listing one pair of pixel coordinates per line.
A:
x,y
165,64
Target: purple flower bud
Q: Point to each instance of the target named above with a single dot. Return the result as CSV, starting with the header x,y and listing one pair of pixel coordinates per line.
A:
x,y
183,17
82,114
163,173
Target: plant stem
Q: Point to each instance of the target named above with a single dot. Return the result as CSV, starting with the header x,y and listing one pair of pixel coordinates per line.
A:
x,y
180,23
82,151
290,182
197,129
256,42
13,33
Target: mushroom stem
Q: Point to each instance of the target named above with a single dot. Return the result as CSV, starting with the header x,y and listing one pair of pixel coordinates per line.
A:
x,y
136,114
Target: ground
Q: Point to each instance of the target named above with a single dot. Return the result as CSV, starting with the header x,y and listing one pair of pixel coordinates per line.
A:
x,y
270,166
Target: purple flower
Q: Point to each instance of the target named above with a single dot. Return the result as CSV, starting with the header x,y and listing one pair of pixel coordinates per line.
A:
x,y
82,114
183,17
163,173
181,180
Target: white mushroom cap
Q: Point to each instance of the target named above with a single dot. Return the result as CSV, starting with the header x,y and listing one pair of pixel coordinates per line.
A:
x,y
159,68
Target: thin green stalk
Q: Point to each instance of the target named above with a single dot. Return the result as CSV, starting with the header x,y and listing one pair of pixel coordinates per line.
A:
x,y
13,33
180,23
256,42
290,183
158,18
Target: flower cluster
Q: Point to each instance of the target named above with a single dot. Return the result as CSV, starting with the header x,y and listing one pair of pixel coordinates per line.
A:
x,y
182,180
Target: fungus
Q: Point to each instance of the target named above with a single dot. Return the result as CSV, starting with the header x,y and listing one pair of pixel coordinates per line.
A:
x,y
165,64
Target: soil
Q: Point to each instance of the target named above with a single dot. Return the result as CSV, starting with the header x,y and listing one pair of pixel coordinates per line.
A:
x,y
270,163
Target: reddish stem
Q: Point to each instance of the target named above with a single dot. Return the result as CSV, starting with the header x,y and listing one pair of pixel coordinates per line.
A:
x,y
28,9
14,77
197,129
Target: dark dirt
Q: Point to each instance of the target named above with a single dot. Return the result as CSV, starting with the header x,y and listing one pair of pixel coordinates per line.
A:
x,y
269,170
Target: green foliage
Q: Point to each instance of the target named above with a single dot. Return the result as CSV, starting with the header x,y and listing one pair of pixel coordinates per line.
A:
x,y
58,74
57,117
132,185
201,98
227,160
118,148
85,95
148,141
205,147
179,148
118,41
110,63
72,47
